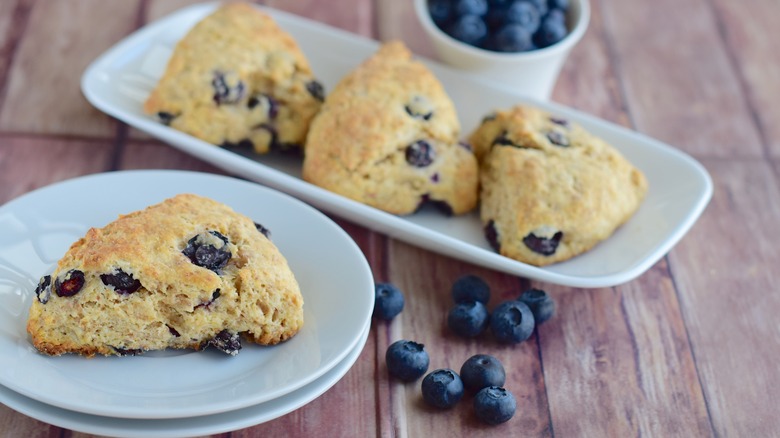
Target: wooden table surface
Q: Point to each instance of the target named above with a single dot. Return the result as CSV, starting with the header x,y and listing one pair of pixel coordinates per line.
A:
x,y
690,348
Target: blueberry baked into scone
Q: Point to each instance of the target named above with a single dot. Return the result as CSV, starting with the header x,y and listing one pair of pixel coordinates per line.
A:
x,y
387,136
188,273
550,190
238,79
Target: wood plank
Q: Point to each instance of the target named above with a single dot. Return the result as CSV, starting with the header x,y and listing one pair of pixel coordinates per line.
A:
x,y
155,155
679,83
617,362
751,34
29,163
396,20
43,91
426,278
726,276
15,424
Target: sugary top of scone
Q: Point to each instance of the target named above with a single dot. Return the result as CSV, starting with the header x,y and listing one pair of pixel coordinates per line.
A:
x,y
177,274
364,141
234,72
550,189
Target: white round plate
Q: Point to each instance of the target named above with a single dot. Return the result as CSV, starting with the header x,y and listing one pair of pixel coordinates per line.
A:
x,y
37,229
183,427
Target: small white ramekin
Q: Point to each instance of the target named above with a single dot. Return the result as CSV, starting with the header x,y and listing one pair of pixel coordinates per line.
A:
x,y
532,73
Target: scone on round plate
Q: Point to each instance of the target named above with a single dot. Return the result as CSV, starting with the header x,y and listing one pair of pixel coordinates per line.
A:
x,y
387,136
238,79
549,189
186,273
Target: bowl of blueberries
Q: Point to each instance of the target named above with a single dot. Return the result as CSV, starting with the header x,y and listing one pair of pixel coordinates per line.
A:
x,y
520,44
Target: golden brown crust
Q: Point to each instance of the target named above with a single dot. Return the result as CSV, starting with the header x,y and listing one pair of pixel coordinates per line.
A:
x,y
358,142
237,77
541,175
178,304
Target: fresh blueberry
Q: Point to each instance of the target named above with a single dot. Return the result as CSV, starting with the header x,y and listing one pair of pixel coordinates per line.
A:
x,y
226,342
206,250
543,245
441,11
228,88
468,319
406,360
552,30
541,5
316,90
70,284
482,370
540,303
469,29
512,322
122,282
524,14
513,38
491,234
442,388
470,287
470,7
420,154
43,290
494,405
558,4
388,301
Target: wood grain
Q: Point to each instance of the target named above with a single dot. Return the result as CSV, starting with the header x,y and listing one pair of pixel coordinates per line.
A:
x,y
727,287
43,92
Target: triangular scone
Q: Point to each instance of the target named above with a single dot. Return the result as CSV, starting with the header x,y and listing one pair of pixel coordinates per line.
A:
x,y
549,189
387,136
238,79
186,273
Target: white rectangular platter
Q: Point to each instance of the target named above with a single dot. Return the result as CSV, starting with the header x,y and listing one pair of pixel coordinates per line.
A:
x,y
119,81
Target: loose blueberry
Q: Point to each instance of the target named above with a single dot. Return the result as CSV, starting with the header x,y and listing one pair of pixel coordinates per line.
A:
x,y
513,38
43,290
265,231
494,405
470,287
388,301
420,154
482,370
70,284
512,322
469,29
201,251
491,234
406,360
226,342
543,245
558,138
442,388
468,319
316,90
165,117
228,88
540,303
123,283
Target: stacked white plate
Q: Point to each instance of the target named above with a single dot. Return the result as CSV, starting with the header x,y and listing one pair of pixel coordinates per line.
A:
x,y
177,393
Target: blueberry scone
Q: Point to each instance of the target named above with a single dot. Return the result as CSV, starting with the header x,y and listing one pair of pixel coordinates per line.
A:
x,y
186,273
549,189
237,79
387,136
